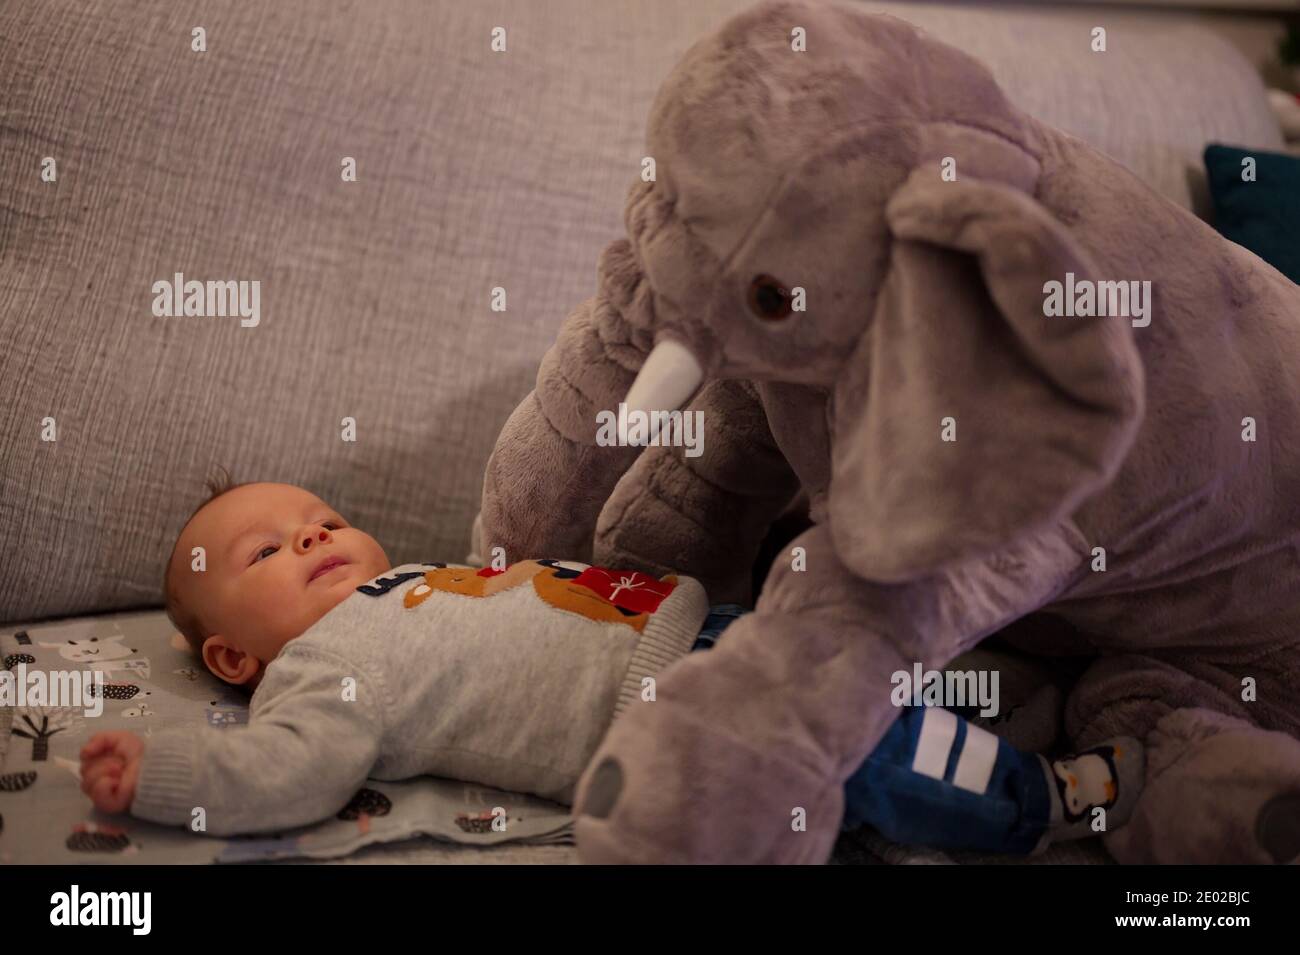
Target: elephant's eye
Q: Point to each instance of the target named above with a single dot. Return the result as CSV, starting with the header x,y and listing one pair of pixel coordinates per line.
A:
x,y
768,299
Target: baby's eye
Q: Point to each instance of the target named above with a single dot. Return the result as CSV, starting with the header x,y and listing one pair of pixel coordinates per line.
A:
x,y
263,553
330,525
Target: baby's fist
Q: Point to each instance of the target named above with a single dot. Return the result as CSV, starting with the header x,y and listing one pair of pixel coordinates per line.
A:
x,y
110,766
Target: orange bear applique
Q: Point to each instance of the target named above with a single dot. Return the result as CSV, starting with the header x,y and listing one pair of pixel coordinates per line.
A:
x,y
468,582
609,596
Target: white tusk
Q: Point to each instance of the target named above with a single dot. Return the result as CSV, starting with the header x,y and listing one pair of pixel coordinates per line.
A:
x,y
669,376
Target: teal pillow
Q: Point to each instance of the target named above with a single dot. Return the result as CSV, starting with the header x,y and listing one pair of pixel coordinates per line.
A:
x,y
1263,215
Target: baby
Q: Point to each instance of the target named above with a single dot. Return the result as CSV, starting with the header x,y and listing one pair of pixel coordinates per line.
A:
x,y
506,677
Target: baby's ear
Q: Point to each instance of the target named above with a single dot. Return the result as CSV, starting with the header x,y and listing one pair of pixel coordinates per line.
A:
x,y
228,662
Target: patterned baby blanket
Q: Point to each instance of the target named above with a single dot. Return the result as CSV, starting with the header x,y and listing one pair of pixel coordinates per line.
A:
x,y
150,680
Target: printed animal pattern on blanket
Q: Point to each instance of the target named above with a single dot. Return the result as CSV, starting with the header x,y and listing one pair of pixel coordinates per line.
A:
x,y
100,837
625,597
367,804
107,653
117,691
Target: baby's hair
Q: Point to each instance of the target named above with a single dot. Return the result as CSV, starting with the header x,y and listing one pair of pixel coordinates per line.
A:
x,y
186,622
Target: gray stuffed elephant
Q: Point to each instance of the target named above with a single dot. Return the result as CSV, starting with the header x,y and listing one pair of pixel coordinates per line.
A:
x,y
856,323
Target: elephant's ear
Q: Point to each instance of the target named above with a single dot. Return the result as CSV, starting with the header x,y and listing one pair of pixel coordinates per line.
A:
x,y
1043,409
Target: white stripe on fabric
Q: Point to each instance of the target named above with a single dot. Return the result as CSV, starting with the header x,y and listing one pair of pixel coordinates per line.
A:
x,y
938,730
975,765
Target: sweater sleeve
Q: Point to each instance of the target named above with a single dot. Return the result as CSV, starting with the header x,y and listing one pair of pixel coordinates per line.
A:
x,y
308,747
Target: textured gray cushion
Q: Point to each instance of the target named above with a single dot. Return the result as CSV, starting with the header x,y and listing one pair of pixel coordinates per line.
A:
x,y
475,169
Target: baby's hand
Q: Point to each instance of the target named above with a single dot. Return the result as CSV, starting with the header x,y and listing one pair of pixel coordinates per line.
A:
x,y
110,766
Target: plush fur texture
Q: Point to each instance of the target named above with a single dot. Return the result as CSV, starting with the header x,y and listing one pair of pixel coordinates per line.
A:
x,y
925,300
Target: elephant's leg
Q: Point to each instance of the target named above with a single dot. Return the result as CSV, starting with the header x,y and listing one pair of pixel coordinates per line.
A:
x,y
703,515
743,752
539,496
549,476
1218,788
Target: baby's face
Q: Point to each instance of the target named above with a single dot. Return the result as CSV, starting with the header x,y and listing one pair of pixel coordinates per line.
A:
x,y
278,559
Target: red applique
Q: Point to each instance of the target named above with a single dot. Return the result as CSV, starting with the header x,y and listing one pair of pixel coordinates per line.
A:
x,y
629,589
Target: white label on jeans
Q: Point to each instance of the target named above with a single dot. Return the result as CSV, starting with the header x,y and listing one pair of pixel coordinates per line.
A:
x,y
975,765
938,730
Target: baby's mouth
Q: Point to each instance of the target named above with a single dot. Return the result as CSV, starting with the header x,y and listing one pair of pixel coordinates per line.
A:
x,y
325,566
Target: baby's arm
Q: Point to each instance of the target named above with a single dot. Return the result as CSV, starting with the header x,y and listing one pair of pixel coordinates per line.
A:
x,y
310,744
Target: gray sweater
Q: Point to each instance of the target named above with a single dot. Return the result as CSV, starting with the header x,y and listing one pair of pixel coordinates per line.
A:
x,y
508,679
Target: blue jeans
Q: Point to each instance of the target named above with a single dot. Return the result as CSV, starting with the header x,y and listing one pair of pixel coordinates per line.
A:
x,y
936,780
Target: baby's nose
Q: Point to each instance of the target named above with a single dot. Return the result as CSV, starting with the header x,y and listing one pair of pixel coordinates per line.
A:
x,y
311,538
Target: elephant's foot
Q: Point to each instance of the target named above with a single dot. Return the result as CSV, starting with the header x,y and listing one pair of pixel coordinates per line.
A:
x,y
1218,790
743,753
672,784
